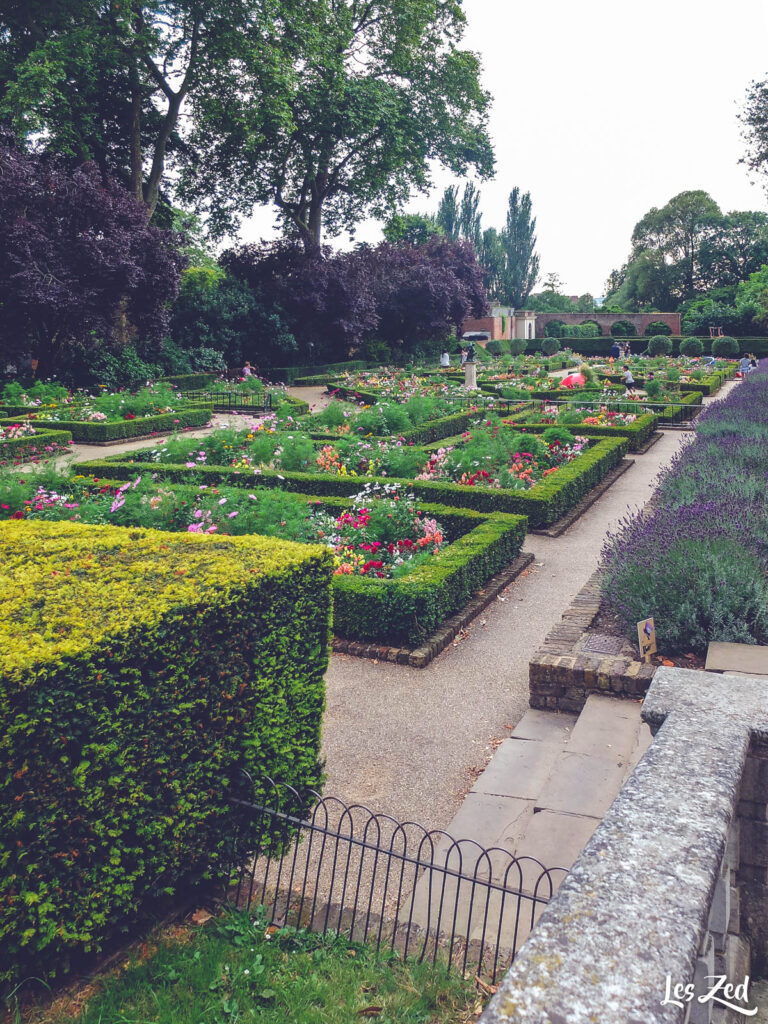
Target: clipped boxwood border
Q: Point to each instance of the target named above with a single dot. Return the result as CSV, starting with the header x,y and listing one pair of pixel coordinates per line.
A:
x,y
20,444
638,433
101,433
543,504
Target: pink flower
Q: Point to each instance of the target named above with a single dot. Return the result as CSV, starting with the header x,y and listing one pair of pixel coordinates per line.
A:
x,y
233,514
212,529
222,501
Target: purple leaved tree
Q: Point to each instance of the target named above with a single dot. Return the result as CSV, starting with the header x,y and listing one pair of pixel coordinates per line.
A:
x,y
79,263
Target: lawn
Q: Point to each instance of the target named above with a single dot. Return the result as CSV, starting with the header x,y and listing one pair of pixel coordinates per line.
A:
x,y
235,969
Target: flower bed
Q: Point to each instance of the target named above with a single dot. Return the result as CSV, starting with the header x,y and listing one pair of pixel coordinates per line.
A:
x,y
100,432
697,561
22,442
400,569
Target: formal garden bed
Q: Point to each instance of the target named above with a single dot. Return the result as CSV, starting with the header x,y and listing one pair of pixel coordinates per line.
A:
x,y
695,559
400,568
22,443
542,483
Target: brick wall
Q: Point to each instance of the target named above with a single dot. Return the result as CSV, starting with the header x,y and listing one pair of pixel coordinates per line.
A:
x,y
606,320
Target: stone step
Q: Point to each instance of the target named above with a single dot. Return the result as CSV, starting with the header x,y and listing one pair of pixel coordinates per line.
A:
x,y
607,728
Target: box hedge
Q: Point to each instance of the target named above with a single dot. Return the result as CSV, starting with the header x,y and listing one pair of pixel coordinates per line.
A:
x,y
189,381
20,446
104,431
543,504
637,433
288,374
139,672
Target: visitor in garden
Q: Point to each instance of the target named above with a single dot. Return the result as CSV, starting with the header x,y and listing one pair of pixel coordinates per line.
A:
x,y
247,369
615,350
463,356
752,362
445,359
744,366
629,380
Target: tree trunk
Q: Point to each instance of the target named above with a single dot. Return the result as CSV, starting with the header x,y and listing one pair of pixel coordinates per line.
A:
x,y
137,170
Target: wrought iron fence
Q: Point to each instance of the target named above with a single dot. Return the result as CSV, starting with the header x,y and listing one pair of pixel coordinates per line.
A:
x,y
313,861
233,401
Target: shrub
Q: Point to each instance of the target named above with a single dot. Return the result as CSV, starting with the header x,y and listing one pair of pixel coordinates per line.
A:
x,y
659,345
691,347
166,664
518,345
725,347
623,329
653,388
122,368
559,435
554,329
550,345
657,327
594,327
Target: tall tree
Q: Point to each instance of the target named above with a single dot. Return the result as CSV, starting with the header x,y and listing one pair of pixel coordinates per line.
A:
x,y
449,214
470,217
107,79
380,91
78,261
416,228
754,120
519,240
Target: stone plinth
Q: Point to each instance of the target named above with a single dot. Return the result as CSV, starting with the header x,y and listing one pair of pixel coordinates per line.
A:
x,y
470,375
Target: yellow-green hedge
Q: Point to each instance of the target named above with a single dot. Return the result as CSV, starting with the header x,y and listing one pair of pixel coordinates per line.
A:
x,y
139,671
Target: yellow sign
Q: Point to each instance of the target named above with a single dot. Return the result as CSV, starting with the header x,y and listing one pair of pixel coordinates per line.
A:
x,y
646,638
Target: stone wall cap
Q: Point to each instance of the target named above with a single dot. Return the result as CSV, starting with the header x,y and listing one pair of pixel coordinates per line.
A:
x,y
731,696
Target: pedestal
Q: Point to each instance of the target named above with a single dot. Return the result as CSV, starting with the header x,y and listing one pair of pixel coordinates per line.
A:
x,y
470,375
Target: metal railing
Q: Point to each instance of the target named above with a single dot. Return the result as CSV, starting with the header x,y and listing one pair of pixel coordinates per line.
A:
x,y
313,861
233,401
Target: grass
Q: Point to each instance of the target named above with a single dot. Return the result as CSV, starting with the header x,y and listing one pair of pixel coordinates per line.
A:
x,y
235,969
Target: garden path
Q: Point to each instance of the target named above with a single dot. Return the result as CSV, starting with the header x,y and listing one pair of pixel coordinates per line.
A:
x,y
411,742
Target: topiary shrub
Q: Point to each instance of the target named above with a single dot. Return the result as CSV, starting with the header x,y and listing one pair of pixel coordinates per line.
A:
x,y
554,329
725,347
517,346
657,327
550,345
623,329
691,347
659,345
494,347
596,330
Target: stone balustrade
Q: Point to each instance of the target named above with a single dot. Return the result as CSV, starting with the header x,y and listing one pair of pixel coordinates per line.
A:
x,y
672,889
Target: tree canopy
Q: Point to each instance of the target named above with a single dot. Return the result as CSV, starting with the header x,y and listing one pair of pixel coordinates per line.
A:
x,y
686,250
378,91
79,262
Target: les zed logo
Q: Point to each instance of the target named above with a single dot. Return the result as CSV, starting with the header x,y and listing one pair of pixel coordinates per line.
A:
x,y
733,997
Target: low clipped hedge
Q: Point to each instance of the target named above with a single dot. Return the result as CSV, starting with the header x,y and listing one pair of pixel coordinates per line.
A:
x,y
31,445
409,608
288,374
425,433
543,504
354,395
189,381
637,433
100,433
314,381
708,385
139,672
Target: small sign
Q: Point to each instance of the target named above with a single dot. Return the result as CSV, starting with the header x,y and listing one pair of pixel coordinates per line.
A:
x,y
646,638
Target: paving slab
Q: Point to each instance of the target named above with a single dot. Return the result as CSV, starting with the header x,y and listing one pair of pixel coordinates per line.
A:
x,y
488,820
544,725
747,659
519,769
607,727
582,784
554,840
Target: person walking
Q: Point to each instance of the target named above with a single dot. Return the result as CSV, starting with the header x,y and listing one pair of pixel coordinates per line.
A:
x,y
744,366
445,360
629,380
615,350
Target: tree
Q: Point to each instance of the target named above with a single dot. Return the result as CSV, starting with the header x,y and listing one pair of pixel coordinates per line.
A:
x,y
448,213
424,292
416,228
518,238
754,119
379,91
753,294
79,263
494,263
107,80
324,299
553,283
470,217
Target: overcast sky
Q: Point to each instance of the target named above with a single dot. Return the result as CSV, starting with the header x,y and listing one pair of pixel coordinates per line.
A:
x,y
601,111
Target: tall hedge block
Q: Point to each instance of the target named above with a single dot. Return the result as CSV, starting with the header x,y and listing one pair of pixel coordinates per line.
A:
x,y
139,671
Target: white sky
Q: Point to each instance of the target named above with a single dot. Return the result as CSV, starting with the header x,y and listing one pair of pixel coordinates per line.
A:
x,y
603,109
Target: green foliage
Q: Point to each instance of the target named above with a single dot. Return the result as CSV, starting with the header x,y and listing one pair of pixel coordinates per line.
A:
x,y
287,374
517,346
725,347
416,228
659,345
43,444
100,432
236,964
623,329
691,347
557,434
657,327
120,368
550,345
653,388
554,329
166,664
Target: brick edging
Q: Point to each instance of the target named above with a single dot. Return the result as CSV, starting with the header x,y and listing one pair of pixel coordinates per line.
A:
x,y
560,677
421,656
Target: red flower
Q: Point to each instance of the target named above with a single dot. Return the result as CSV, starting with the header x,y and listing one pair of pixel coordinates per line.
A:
x,y
18,515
